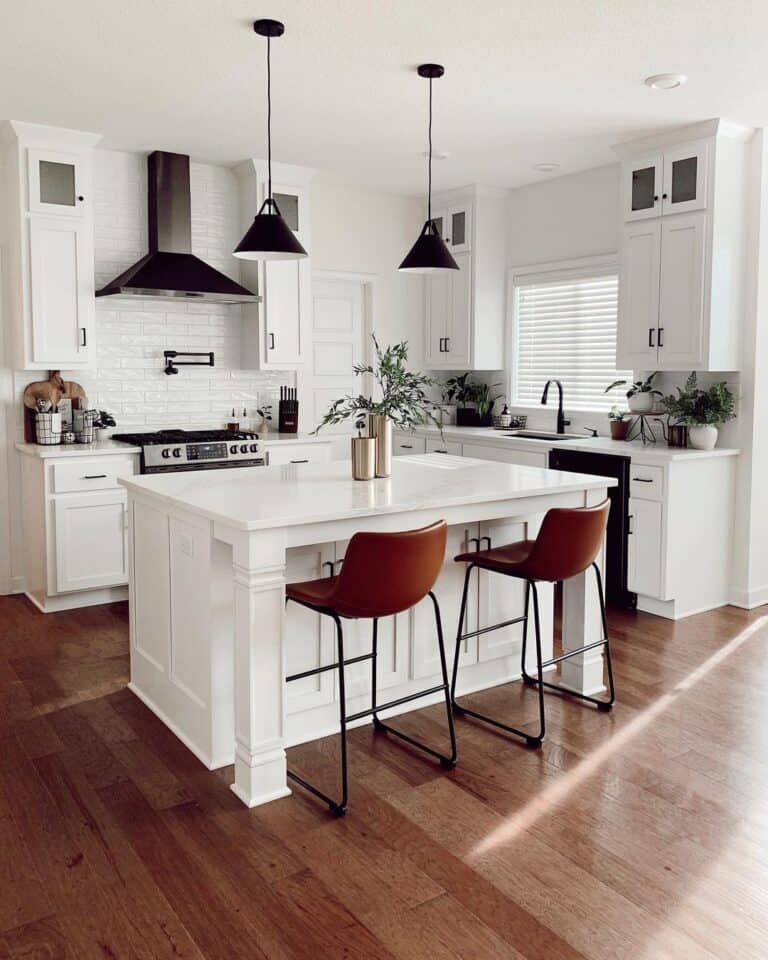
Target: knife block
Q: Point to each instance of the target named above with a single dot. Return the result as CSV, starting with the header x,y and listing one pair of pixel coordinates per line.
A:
x,y
288,416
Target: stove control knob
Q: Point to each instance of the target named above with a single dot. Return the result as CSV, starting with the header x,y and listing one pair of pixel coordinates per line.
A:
x,y
244,448
165,453
254,448
233,448
177,452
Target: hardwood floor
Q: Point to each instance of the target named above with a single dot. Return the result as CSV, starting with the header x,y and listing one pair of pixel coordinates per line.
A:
x,y
639,834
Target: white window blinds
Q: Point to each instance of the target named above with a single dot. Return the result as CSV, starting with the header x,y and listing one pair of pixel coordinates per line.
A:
x,y
566,329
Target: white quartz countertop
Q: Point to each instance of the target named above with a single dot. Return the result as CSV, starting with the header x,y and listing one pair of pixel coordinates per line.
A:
x,y
646,453
100,449
290,495
106,447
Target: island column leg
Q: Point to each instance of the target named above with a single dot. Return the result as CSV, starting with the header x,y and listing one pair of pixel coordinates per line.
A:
x,y
259,599
582,625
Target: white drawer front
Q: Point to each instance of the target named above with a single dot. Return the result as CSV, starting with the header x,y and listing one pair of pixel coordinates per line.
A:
x,y
282,453
443,446
525,458
405,443
85,473
646,482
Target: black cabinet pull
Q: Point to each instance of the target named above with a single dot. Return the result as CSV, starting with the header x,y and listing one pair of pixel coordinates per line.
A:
x,y
630,518
663,196
440,451
271,341
656,199
488,539
642,479
81,199
650,337
94,476
299,461
447,342
83,337
660,339
406,446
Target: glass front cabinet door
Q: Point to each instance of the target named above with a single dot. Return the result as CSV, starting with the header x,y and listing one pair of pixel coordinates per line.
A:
x,y
643,188
685,178
55,183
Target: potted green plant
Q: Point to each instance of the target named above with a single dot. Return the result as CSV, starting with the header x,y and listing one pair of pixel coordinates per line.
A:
x,y
641,394
105,425
474,401
403,401
618,421
702,411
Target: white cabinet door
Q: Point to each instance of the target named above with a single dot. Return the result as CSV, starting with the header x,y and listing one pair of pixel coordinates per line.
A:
x,y
56,181
645,547
681,301
425,659
285,286
458,228
438,296
636,344
457,344
526,458
500,598
642,187
91,540
310,639
284,452
62,290
407,444
685,178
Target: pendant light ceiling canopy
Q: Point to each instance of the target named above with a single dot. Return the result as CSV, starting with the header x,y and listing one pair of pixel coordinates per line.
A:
x,y
429,254
269,237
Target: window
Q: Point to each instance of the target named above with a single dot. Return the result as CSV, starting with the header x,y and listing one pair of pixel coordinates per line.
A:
x,y
565,328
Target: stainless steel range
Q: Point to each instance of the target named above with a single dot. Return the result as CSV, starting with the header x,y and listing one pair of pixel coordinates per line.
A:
x,y
168,451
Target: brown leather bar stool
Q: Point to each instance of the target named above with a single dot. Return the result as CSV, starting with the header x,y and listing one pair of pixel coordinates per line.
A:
x,y
568,543
382,574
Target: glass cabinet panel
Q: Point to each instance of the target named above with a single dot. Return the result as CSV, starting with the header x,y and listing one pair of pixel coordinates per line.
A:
x,y
684,179
458,228
57,183
289,208
643,188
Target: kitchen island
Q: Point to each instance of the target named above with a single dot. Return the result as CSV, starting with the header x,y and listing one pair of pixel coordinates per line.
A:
x,y
211,639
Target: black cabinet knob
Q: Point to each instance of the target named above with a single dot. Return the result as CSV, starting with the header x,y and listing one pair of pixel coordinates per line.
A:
x,y
81,199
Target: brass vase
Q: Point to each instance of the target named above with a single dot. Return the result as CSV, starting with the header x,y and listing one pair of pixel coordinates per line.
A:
x,y
380,428
363,458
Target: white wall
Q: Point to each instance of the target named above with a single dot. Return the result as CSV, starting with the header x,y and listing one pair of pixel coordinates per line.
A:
x,y
361,231
565,217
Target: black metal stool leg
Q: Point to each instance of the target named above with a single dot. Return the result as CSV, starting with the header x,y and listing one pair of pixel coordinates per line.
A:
x,y
601,704
445,761
536,741
523,672
459,638
339,808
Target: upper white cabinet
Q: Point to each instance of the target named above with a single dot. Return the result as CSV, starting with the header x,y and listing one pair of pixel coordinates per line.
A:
x,y
659,184
276,331
48,235
681,291
464,308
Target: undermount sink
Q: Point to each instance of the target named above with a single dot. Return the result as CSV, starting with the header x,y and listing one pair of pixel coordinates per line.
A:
x,y
543,435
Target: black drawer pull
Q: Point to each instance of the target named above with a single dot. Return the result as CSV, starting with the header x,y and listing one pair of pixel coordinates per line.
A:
x,y
406,446
299,461
440,451
94,476
642,479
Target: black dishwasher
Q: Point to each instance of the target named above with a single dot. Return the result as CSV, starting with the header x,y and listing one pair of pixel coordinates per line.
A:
x,y
617,537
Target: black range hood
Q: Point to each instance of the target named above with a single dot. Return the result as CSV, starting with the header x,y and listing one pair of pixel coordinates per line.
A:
x,y
170,269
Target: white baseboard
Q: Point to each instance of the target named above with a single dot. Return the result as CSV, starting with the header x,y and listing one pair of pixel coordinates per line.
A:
x,y
749,599
73,601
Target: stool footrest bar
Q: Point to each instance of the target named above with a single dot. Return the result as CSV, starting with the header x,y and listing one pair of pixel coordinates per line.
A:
x,y
395,703
331,666
495,626
573,653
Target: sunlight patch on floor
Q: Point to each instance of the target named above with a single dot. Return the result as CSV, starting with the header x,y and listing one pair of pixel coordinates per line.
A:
x,y
543,802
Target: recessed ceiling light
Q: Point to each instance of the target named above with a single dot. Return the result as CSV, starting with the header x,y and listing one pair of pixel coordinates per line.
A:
x,y
665,81
546,167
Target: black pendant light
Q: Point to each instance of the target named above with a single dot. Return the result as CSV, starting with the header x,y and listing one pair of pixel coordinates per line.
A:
x,y
269,236
429,254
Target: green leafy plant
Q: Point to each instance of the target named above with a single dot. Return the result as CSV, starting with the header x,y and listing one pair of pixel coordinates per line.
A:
x,y
463,392
403,396
484,397
639,386
616,414
695,407
105,420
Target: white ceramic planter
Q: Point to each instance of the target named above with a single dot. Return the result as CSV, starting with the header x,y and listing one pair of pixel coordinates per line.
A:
x,y
702,437
640,402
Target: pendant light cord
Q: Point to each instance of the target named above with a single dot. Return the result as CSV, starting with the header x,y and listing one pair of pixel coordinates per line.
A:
x,y
429,166
269,120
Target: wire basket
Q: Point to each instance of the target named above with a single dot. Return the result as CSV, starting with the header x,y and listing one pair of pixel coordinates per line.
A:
x,y
48,428
83,424
509,421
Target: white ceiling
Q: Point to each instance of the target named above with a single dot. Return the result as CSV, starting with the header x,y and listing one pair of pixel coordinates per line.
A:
x,y
526,81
